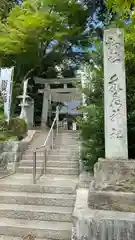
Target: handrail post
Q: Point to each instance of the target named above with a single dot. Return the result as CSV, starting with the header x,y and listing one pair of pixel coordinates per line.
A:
x,y
34,167
57,119
45,159
52,138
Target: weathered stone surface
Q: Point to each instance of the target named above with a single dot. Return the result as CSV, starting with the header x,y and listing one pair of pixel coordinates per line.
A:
x,y
115,95
11,153
96,227
84,179
92,224
119,201
114,176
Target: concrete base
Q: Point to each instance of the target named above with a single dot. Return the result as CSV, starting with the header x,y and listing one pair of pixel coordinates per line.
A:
x,y
92,224
119,201
85,179
113,187
115,175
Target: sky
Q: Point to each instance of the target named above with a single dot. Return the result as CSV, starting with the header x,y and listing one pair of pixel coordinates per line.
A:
x,y
19,2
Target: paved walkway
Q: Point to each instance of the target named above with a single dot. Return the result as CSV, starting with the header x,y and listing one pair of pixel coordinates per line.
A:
x,y
39,138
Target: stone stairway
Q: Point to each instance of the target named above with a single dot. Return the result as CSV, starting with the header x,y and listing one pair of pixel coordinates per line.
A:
x,y
44,210
62,160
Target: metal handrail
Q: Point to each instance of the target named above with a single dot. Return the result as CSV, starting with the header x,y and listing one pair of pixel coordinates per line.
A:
x,y
50,134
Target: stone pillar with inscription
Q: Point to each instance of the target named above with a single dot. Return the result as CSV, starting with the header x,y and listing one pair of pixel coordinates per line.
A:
x,y
115,96
107,210
116,171
113,186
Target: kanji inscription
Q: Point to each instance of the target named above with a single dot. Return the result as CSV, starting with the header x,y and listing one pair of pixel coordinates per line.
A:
x,y
113,47
115,90
4,90
115,95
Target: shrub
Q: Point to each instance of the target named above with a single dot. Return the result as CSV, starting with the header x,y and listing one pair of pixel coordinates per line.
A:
x,y
67,73
3,137
3,125
17,127
91,127
92,136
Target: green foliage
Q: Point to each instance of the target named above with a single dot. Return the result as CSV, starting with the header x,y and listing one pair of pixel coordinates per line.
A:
x,y
17,127
92,124
12,131
130,76
5,7
28,31
92,136
3,123
120,4
68,73
1,108
122,8
5,136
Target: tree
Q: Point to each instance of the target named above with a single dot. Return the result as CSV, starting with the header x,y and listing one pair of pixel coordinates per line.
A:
x,y
28,31
92,125
130,73
5,7
27,35
122,7
127,4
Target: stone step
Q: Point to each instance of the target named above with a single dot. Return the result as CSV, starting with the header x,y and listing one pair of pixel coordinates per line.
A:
x,y
63,164
38,229
34,212
49,170
40,163
63,171
29,169
34,188
69,133
55,153
69,143
66,157
29,155
2,237
29,163
41,157
63,150
25,198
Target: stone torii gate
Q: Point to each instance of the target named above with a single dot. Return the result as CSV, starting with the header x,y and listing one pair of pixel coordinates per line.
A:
x,y
64,94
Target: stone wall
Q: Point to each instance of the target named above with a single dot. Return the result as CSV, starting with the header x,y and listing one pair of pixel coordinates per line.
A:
x,y
11,153
91,224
